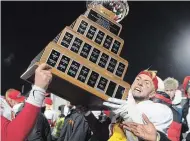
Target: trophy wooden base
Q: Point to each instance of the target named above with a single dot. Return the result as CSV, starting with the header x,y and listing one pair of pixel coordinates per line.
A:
x,y
76,80
67,90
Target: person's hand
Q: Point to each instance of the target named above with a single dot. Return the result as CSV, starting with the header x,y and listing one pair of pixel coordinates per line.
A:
x,y
145,131
43,76
117,106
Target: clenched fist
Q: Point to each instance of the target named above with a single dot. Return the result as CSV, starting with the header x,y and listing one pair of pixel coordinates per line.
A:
x,y
43,76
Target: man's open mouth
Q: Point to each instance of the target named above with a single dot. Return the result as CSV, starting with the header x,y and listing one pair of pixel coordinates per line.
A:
x,y
137,89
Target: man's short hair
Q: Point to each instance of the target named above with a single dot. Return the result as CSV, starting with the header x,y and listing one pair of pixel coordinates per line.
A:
x,y
171,83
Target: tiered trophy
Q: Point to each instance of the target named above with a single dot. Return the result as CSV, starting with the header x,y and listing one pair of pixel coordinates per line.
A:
x,y
84,57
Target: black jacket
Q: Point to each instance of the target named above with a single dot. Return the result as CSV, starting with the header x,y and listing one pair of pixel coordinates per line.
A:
x,y
163,137
41,130
184,123
188,137
100,129
75,128
184,115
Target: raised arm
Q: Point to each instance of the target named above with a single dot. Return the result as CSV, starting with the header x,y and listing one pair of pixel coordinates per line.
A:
x,y
20,127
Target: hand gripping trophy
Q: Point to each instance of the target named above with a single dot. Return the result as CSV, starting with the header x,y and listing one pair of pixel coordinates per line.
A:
x,y
84,57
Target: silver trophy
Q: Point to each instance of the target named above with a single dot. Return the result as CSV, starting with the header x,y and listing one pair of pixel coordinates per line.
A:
x,y
118,7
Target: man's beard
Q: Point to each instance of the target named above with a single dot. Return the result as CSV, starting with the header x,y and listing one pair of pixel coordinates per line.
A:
x,y
139,98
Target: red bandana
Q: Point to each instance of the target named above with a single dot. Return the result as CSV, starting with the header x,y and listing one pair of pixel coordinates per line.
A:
x,y
185,84
152,75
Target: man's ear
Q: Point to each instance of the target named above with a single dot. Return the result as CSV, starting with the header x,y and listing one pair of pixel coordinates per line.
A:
x,y
152,94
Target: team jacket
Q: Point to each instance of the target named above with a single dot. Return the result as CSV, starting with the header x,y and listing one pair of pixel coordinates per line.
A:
x,y
19,128
75,128
174,130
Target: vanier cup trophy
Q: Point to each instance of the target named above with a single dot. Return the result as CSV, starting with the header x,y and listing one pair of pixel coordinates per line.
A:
x,y
84,57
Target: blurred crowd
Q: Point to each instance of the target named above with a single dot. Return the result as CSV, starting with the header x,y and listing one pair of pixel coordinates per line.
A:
x,y
155,110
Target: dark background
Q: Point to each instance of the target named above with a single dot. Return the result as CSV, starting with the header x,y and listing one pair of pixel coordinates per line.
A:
x,y
156,34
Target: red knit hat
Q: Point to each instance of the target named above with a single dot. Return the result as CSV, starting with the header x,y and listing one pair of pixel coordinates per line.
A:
x,y
186,84
48,101
16,95
152,75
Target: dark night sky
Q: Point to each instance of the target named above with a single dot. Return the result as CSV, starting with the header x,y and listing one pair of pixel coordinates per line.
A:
x,y
155,33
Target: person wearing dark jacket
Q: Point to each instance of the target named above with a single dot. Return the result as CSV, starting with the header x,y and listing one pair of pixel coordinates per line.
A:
x,y
75,127
100,129
41,130
184,115
186,107
185,127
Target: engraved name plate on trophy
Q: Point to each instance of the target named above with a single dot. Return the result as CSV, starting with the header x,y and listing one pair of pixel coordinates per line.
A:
x,y
82,27
91,32
102,83
112,65
63,64
52,60
111,88
93,78
108,42
73,69
85,50
94,55
120,69
98,18
99,37
83,74
103,60
67,39
119,92
76,45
